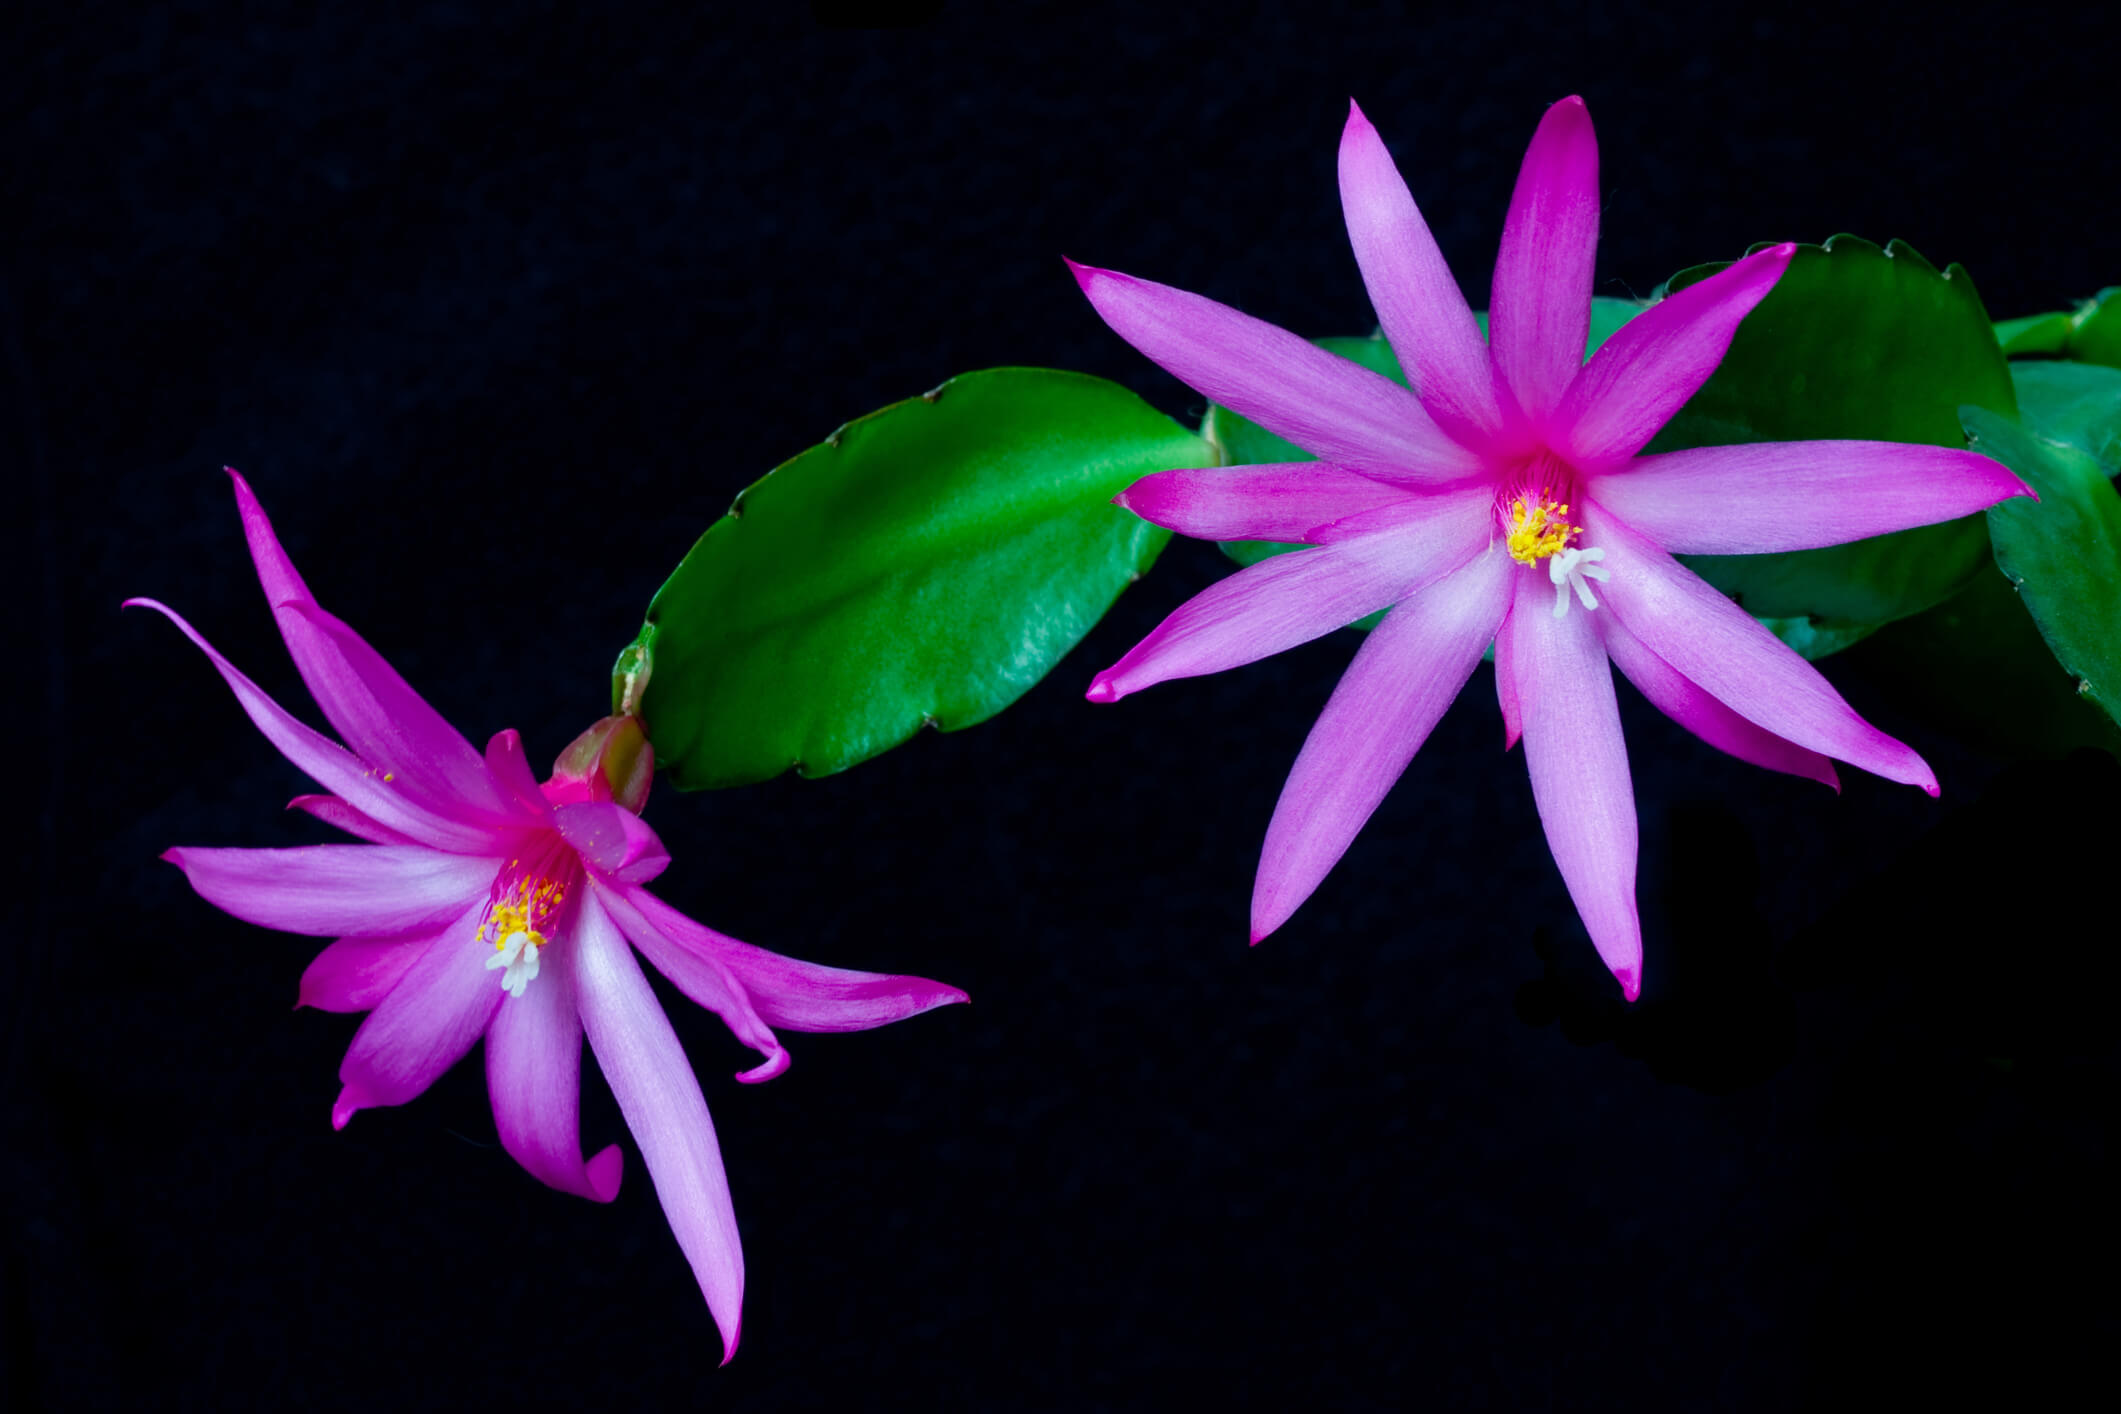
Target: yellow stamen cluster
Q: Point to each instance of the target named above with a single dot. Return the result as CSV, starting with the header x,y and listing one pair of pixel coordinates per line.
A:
x,y
1540,530
527,907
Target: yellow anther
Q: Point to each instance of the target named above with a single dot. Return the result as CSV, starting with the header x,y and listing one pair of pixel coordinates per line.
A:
x,y
527,907
1540,530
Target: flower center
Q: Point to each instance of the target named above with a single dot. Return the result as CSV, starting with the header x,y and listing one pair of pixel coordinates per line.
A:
x,y
520,921
1538,527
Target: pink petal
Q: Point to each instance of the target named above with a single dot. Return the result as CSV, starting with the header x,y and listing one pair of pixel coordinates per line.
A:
x,y
612,839
671,941
1334,409
1579,767
383,720
1277,501
1410,668
512,773
1425,316
373,792
1506,694
534,1075
338,814
323,889
786,991
1761,497
661,1100
356,973
1539,316
1685,703
1729,654
425,1025
1656,361
1294,598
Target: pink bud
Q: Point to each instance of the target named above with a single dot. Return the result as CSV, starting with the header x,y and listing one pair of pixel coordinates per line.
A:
x,y
612,761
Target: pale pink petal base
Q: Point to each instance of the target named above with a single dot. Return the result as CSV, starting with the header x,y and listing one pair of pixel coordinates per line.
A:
x,y
1763,497
1579,768
534,1076
1281,501
425,1026
1410,668
661,1101
1700,713
656,929
1305,594
1713,643
322,889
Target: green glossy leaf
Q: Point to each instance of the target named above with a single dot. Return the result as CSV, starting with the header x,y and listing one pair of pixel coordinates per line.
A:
x,y
1241,442
2076,404
925,565
2091,333
1976,666
2063,552
1854,342
2098,336
2038,335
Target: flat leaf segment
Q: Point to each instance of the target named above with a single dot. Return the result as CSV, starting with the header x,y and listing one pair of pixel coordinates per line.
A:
x,y
2062,552
1860,342
926,564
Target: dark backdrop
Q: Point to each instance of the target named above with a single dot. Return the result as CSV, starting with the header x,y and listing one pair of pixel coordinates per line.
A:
x,y
497,315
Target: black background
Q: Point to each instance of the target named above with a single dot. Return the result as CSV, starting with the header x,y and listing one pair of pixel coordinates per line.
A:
x,y
498,314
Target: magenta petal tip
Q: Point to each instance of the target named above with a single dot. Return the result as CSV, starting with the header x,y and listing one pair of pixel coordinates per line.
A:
x,y
775,1062
729,1342
345,1107
1102,690
605,1171
1630,980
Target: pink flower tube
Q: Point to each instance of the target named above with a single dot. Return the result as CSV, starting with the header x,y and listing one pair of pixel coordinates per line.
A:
x,y
1481,504
485,904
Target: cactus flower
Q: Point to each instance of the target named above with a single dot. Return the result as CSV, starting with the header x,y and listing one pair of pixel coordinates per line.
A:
x,y
485,904
1502,498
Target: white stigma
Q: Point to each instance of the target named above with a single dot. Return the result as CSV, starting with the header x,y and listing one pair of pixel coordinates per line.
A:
x,y
1568,569
519,954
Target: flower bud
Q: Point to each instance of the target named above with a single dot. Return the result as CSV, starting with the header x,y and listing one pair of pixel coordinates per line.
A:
x,y
612,761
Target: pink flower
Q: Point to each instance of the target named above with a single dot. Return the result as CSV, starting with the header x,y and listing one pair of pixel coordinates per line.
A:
x,y
1503,488
472,869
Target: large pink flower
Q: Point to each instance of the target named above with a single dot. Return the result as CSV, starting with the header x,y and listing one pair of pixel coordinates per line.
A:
x,y
1485,501
486,904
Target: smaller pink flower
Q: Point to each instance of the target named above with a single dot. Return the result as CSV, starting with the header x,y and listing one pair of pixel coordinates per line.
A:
x,y
1505,486
488,905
